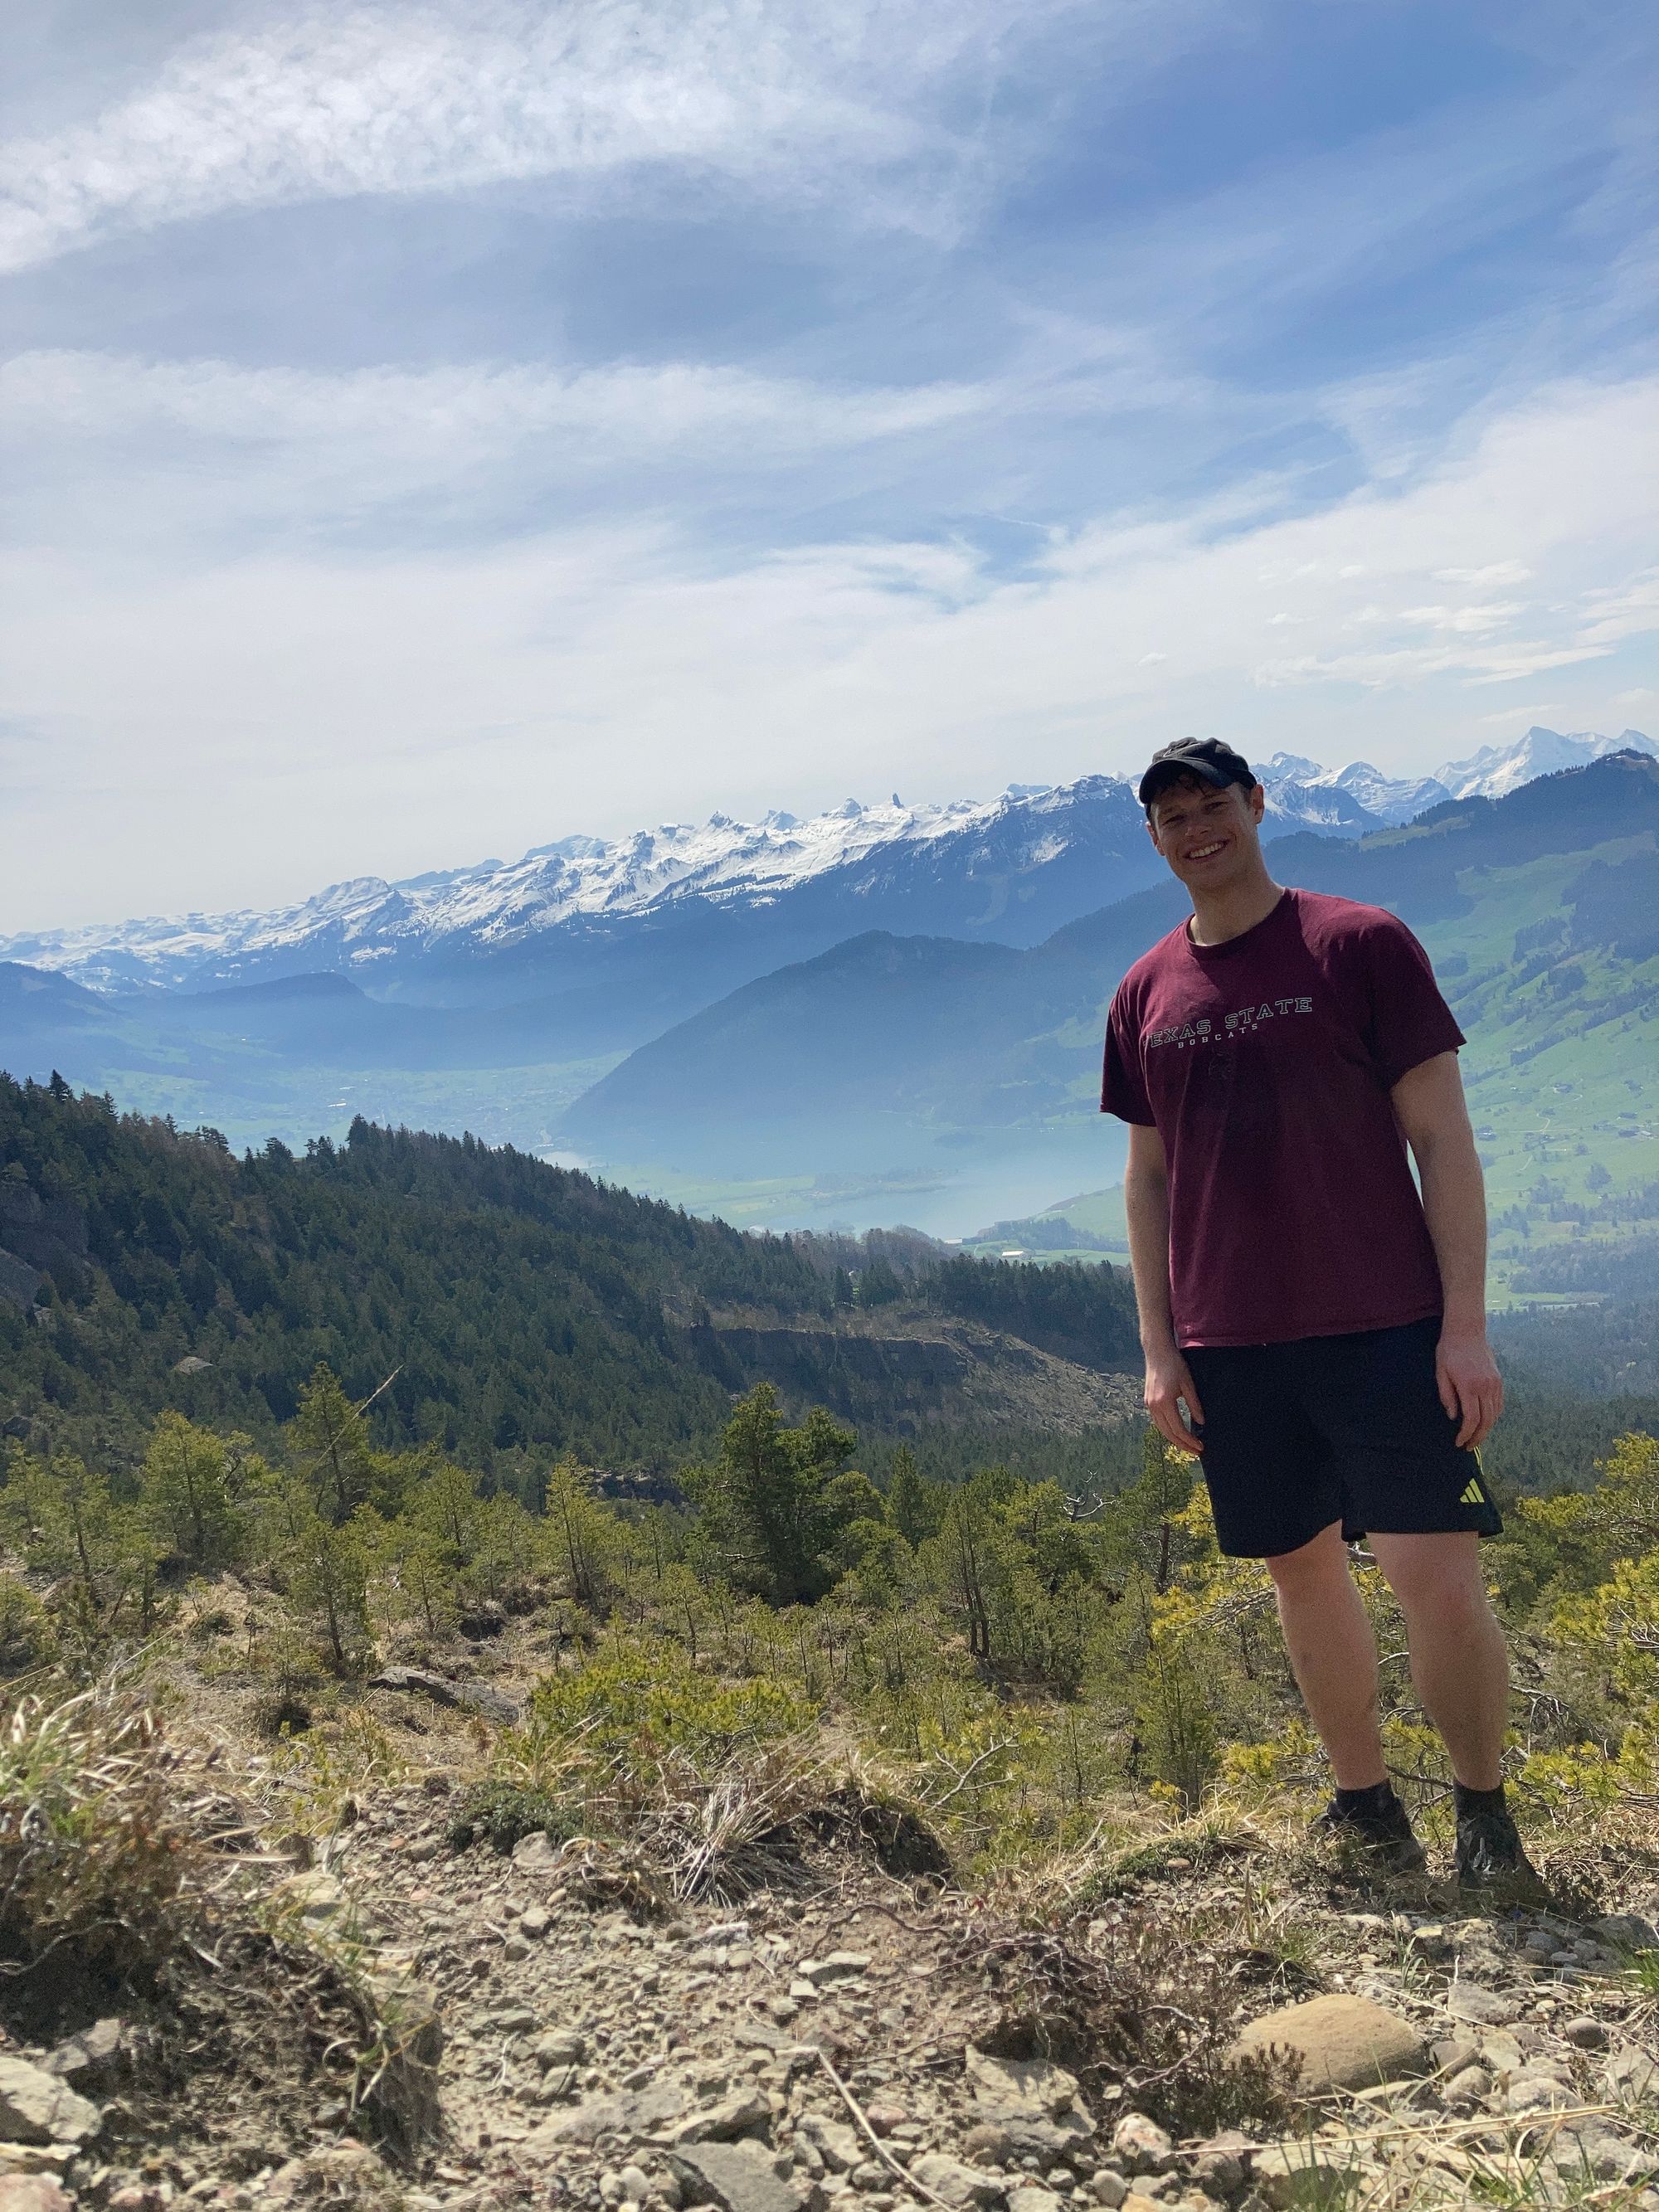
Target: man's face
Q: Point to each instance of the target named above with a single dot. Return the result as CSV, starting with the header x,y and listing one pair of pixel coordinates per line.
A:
x,y
1208,837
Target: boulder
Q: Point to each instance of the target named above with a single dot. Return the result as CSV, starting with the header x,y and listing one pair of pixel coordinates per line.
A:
x,y
1030,2198
958,2185
741,2177
1033,2103
1632,2074
1337,2043
1486,2008
536,1853
634,2114
1142,2144
1626,1931
32,2192
744,2113
38,2107
839,2146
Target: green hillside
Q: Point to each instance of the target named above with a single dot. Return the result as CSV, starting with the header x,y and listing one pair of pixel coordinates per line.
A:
x,y
516,1306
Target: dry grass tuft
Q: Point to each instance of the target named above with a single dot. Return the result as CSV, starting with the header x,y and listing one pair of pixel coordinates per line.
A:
x,y
97,1851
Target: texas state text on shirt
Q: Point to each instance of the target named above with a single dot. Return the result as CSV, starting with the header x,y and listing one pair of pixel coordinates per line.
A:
x,y
1266,1064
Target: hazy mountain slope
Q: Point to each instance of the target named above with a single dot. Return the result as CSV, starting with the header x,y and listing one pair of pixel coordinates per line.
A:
x,y
922,1034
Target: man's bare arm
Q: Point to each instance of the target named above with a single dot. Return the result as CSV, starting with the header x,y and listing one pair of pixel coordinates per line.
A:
x,y
1146,1209
1428,1101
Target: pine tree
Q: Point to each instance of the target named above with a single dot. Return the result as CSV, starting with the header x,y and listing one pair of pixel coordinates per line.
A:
x,y
767,1500
579,1531
328,1569
185,1485
330,1438
913,1503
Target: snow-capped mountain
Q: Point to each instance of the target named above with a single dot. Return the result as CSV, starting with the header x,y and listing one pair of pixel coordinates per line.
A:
x,y
725,895
1301,790
1495,770
1012,868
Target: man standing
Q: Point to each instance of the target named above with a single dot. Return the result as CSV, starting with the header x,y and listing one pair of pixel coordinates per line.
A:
x,y
1313,1329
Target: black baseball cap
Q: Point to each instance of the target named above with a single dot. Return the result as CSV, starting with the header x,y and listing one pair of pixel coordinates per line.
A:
x,y
1206,758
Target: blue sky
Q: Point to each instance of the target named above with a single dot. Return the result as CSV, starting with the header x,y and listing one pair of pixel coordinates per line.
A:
x,y
432,430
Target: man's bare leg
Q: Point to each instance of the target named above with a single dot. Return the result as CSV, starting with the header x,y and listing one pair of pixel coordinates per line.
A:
x,y
1332,1654
1459,1661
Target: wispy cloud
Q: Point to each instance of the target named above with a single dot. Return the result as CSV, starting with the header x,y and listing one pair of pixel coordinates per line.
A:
x,y
424,99
484,413
417,694
326,444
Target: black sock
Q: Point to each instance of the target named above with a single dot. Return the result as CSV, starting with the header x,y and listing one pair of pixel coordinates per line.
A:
x,y
1479,1800
1376,1799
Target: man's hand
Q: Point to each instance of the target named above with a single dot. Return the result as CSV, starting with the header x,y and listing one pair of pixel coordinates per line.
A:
x,y
1169,1379
1471,1388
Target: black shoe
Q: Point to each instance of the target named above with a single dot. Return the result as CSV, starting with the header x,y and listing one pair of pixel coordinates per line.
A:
x,y
1490,1856
1377,1823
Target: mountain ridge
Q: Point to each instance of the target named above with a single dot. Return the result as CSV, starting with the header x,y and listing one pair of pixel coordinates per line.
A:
x,y
581,908
794,1064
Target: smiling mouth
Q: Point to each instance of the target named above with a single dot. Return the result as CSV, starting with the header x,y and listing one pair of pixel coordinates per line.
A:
x,y
1207,851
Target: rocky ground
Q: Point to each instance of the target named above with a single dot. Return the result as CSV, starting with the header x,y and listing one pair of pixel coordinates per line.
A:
x,y
845,2035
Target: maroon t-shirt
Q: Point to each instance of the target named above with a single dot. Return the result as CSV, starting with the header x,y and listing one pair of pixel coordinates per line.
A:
x,y
1266,1065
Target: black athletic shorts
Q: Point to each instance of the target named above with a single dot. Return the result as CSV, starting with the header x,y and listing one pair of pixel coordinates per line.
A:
x,y
1332,1428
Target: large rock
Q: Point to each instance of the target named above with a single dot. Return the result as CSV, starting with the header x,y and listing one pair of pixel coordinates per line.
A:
x,y
94,2055
32,2193
536,1853
1632,2073
958,2185
1627,1931
634,2114
1486,2008
840,2146
1337,2043
741,2177
744,2113
1142,2144
1031,2101
471,1696
37,2107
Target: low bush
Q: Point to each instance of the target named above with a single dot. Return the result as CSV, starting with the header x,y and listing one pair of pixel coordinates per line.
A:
x,y
501,1813
646,1704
